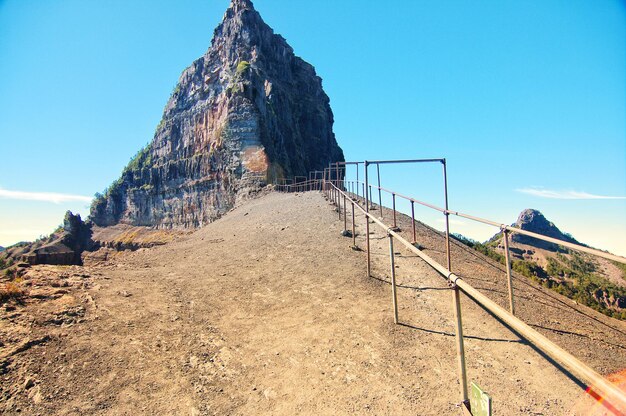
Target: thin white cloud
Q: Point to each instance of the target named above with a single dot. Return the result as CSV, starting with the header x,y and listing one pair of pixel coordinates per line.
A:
x,y
43,196
547,193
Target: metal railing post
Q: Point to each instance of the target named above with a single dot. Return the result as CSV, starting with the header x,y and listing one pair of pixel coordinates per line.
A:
x,y
460,347
393,199
380,200
353,227
367,223
345,217
394,297
337,202
598,384
413,221
507,255
446,213
456,295
357,179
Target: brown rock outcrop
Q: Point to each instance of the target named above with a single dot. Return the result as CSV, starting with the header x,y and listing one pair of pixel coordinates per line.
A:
x,y
245,114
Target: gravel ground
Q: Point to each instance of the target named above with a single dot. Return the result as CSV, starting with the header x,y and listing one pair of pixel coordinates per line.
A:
x,y
269,311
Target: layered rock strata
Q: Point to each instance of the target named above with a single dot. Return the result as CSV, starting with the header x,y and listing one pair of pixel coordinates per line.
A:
x,y
247,113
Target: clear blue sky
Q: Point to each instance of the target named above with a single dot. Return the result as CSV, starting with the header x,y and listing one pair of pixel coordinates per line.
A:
x,y
525,99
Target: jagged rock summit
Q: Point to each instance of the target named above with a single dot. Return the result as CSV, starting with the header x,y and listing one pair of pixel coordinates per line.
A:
x,y
245,114
534,221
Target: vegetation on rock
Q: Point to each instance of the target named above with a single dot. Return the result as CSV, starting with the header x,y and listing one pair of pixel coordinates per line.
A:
x,y
248,97
11,290
571,276
241,68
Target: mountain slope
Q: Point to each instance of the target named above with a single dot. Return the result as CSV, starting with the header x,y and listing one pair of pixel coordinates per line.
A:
x,y
247,113
268,311
590,280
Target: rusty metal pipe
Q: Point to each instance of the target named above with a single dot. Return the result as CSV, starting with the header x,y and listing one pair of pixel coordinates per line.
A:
x,y
353,228
460,347
445,192
507,254
380,201
339,203
383,162
345,217
357,180
367,223
413,221
394,296
580,370
393,199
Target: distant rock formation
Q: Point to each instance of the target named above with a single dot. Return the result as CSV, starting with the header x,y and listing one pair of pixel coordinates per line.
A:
x,y
532,220
64,246
247,113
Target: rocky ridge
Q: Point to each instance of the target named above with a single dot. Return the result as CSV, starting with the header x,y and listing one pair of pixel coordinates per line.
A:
x,y
247,113
63,246
588,279
533,220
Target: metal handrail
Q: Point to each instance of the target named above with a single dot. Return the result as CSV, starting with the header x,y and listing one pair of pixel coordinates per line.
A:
x,y
501,226
510,228
555,352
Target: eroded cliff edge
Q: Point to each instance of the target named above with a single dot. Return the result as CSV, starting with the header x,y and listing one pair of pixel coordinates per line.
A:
x,y
245,114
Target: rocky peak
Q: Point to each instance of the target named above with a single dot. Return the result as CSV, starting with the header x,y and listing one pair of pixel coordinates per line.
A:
x,y
76,233
63,246
247,113
238,5
534,221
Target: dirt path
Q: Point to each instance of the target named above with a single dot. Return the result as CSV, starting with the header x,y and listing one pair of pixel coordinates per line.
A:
x,y
266,311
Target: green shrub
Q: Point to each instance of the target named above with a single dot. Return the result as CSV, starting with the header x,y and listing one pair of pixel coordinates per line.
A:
x,y
581,285
241,68
10,291
141,160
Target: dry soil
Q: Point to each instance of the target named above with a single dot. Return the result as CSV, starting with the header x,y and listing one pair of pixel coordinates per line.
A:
x,y
269,311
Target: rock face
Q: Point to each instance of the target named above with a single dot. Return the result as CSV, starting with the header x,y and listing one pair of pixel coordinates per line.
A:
x,y
64,246
534,221
247,113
